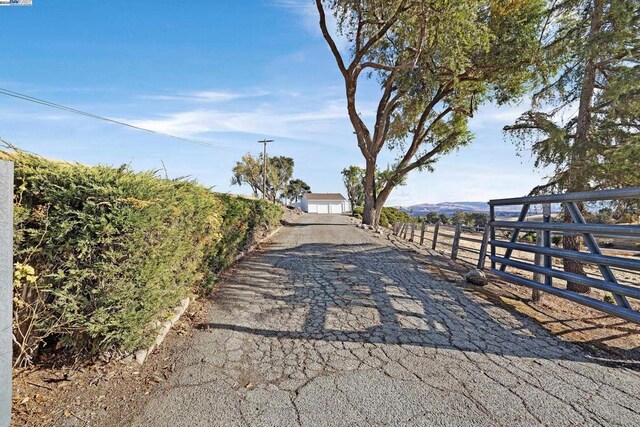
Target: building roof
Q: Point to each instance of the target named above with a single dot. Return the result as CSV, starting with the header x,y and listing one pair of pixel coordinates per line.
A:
x,y
324,196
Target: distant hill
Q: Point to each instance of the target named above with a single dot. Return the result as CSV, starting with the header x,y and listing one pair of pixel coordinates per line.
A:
x,y
449,208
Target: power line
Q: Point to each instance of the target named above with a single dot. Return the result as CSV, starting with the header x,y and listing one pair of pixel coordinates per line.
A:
x,y
50,104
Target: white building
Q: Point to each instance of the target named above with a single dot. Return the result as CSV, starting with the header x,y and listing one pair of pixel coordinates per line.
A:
x,y
325,203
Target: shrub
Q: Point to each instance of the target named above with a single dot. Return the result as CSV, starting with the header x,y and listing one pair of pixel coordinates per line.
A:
x,y
357,211
241,219
390,215
103,252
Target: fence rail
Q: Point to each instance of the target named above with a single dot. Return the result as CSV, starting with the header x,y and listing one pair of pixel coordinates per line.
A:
x,y
536,263
444,238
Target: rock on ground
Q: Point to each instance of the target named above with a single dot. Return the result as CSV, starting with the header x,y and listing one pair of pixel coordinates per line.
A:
x,y
477,277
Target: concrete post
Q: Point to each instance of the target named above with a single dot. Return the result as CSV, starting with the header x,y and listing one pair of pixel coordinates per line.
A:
x,y
6,289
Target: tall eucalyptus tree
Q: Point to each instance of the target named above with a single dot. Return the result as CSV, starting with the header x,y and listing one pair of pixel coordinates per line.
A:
x,y
436,62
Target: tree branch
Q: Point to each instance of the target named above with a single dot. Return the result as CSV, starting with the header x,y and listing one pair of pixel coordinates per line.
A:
x,y
382,31
329,39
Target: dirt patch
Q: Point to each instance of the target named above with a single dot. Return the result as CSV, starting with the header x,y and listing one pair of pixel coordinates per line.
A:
x,y
80,393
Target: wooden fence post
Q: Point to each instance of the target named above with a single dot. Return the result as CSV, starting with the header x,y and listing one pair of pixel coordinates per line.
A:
x,y
424,226
483,247
413,230
537,277
6,289
456,242
436,230
406,226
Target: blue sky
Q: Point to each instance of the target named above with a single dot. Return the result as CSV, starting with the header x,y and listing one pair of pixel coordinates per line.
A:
x,y
228,72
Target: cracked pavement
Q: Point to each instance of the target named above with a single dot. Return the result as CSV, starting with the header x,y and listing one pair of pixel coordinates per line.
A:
x,y
331,325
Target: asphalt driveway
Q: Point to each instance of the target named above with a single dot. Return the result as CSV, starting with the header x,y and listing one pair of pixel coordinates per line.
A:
x,y
332,326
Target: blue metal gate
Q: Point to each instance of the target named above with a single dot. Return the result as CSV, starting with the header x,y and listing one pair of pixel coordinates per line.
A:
x,y
607,265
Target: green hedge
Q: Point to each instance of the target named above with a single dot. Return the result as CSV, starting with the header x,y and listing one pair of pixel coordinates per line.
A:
x,y
102,252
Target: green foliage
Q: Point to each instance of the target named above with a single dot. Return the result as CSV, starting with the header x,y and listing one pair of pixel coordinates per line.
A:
x,y
471,219
432,218
390,215
435,62
295,189
584,120
353,177
249,170
241,219
113,250
357,211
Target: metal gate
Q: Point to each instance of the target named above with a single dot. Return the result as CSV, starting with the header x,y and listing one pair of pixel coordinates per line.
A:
x,y
605,265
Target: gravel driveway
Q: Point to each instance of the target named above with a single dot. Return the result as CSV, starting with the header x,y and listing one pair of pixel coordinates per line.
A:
x,y
332,326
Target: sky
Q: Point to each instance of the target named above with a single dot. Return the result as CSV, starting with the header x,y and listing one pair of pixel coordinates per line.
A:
x,y
226,72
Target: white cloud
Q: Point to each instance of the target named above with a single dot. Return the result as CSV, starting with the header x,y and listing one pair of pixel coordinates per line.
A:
x,y
308,13
265,120
207,96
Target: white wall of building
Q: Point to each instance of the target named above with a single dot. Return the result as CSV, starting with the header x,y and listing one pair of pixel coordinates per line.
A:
x,y
324,206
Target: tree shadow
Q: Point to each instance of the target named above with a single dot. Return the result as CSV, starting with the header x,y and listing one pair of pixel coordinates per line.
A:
x,y
286,223
378,294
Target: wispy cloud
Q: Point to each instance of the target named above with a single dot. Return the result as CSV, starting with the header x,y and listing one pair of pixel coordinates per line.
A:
x,y
264,120
306,10
206,96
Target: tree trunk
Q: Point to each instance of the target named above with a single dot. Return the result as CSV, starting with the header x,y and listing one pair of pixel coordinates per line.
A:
x,y
572,243
576,180
370,215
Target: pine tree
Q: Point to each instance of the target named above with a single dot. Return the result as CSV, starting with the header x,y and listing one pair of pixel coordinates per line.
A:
x,y
591,56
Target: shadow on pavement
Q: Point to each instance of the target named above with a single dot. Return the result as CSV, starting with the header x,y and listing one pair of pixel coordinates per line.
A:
x,y
379,294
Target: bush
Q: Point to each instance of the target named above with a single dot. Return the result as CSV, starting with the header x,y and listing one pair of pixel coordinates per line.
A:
x,y
104,252
390,215
357,211
241,219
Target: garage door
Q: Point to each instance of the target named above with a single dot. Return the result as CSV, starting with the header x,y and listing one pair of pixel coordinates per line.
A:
x,y
323,208
335,208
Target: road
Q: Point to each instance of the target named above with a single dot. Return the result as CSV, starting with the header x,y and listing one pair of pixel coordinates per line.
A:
x,y
331,325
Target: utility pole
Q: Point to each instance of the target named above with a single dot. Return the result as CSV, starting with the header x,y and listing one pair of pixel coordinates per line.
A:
x,y
264,166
